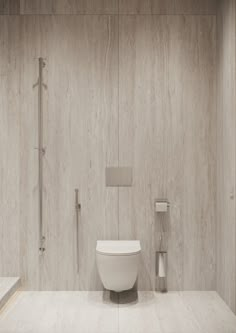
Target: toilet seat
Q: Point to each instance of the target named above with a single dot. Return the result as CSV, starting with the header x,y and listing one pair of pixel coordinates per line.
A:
x,y
118,248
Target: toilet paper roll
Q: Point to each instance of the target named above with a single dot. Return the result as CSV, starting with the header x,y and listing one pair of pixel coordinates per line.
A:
x,y
161,207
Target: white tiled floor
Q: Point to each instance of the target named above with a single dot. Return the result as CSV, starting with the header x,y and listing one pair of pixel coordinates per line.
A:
x,y
95,312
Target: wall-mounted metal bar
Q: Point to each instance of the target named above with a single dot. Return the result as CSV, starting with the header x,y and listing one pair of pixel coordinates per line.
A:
x,y
77,210
41,151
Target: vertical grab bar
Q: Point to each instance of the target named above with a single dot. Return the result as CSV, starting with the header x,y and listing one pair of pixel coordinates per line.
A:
x,y
41,151
77,210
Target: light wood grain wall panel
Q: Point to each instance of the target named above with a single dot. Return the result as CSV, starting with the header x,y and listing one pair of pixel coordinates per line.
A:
x,y
226,104
163,7
9,7
167,134
86,7
34,39
36,7
83,81
169,7
69,7
9,145
81,139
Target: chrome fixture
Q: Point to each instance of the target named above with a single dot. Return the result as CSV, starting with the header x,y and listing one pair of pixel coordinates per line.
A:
x,y
41,151
77,210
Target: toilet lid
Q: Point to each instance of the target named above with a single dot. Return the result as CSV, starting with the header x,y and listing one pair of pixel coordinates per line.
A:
x,y
118,247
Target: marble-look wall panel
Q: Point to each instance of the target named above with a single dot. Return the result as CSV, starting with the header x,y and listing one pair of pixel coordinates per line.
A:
x,y
9,145
81,139
179,7
167,118
226,136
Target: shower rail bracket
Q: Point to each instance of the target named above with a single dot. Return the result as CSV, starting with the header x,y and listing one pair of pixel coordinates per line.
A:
x,y
42,150
42,248
77,210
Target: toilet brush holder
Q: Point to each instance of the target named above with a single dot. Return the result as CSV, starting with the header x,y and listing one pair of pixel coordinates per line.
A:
x,y
161,264
161,270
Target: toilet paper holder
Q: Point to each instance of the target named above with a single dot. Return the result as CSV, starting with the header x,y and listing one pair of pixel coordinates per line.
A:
x,y
161,206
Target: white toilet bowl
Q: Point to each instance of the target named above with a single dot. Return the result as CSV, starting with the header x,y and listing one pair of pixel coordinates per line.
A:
x,y
117,263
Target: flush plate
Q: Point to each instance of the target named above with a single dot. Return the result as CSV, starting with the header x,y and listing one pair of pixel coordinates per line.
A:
x,y
119,176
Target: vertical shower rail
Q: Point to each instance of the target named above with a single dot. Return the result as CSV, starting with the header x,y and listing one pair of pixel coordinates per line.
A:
x,y
77,209
41,151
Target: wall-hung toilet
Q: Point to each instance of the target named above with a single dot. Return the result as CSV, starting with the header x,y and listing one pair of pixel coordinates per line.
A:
x,y
117,263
